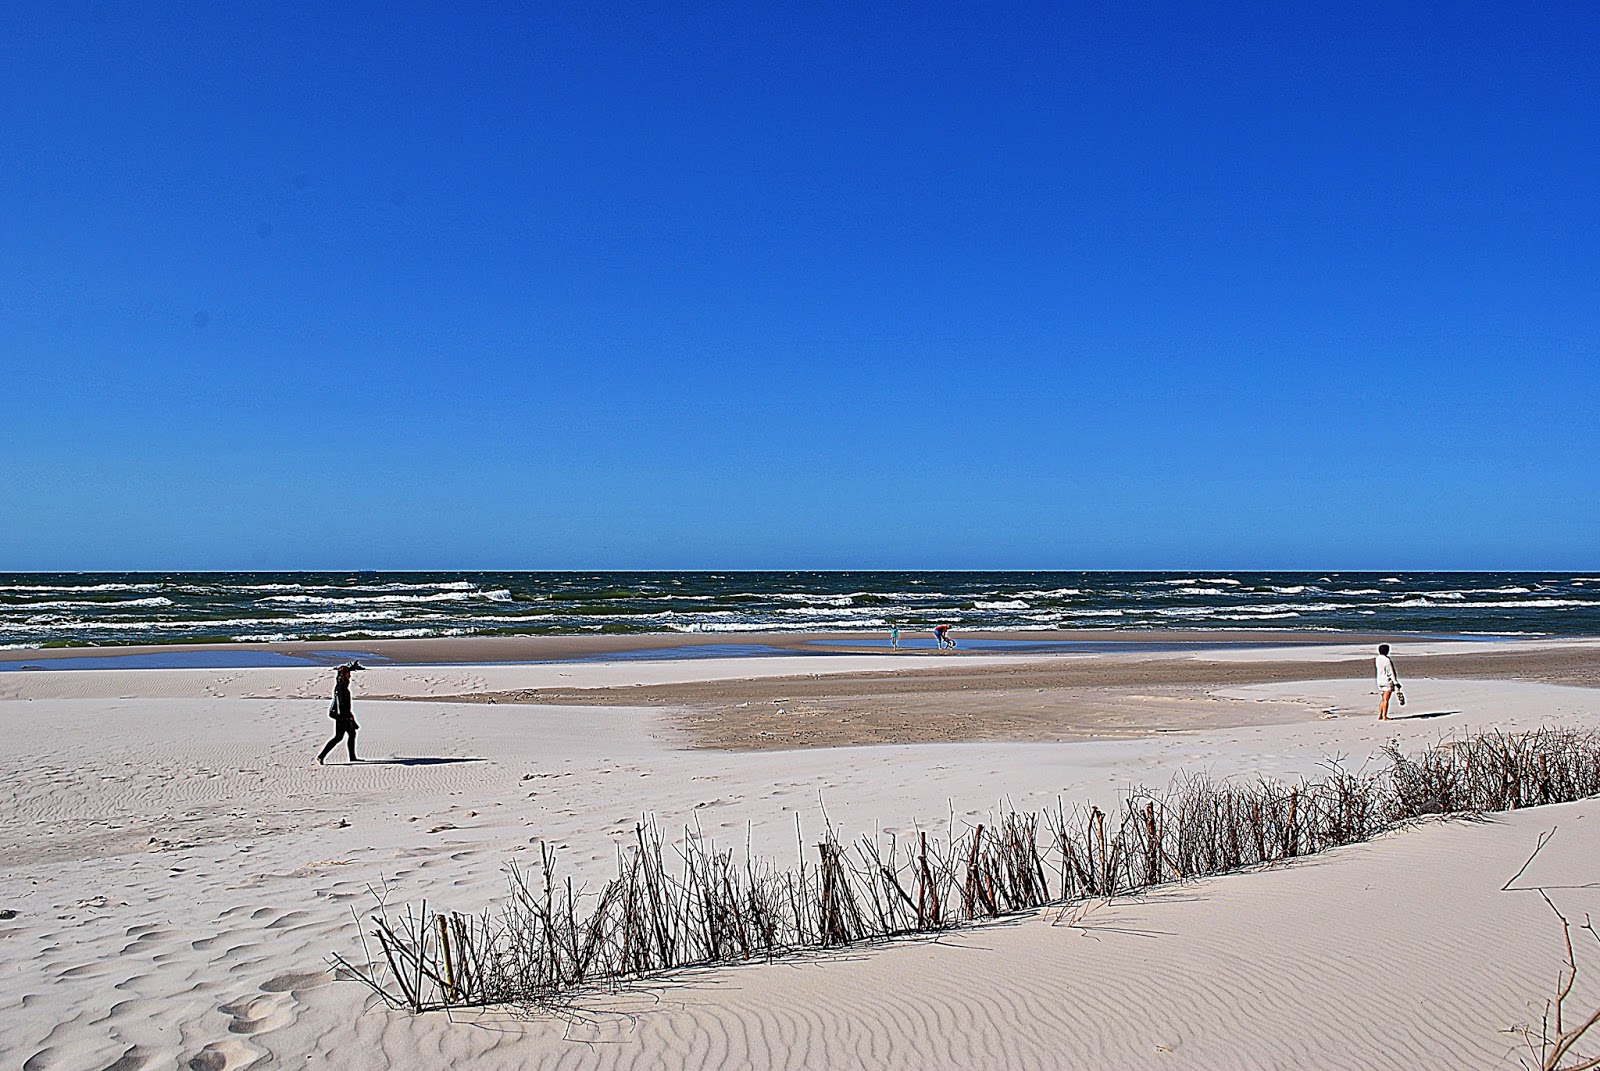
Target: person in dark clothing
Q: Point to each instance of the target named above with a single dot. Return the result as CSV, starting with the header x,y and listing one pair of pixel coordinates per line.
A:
x,y
344,722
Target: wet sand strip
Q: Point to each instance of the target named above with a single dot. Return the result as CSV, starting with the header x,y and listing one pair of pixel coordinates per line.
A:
x,y
1052,699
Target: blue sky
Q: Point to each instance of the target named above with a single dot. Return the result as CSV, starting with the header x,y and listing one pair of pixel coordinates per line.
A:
x,y
1109,286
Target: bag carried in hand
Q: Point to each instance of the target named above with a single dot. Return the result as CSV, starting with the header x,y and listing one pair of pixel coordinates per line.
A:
x,y
1398,694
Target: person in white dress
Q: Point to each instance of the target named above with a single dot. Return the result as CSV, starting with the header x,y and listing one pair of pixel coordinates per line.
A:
x,y
1388,680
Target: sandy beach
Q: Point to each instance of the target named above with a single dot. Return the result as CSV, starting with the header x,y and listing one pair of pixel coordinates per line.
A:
x,y
180,871
870,535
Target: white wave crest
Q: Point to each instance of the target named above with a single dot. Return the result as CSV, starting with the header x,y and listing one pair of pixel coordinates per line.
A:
x,y
401,633
1232,613
1507,604
756,626
86,604
897,596
454,585
369,600
79,589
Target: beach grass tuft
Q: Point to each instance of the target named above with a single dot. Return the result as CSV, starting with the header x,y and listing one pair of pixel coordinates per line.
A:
x,y
549,940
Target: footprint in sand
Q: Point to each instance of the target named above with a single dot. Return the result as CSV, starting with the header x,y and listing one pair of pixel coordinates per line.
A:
x,y
222,1056
132,1060
256,1014
295,982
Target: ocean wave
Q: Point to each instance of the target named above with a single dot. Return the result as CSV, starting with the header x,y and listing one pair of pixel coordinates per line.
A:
x,y
900,596
402,634
756,626
1503,604
208,626
37,608
87,604
498,595
1256,617
79,589
823,611
811,599
693,627
1237,613
1266,607
54,625
451,585
1226,581
1535,604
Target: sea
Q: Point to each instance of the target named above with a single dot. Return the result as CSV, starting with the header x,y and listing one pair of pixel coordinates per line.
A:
x,y
40,610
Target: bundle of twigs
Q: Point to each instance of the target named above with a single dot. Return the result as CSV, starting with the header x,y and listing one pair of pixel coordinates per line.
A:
x,y
549,939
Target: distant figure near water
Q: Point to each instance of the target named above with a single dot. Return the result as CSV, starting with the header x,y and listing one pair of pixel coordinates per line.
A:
x,y
1388,681
941,635
894,637
344,722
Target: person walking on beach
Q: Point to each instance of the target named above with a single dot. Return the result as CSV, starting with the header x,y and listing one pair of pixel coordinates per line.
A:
x,y
894,637
1388,680
941,635
344,722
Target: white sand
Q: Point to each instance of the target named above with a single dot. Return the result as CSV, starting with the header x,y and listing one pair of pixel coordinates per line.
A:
x,y
181,872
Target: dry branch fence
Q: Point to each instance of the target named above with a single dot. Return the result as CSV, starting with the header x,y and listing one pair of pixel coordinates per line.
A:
x,y
549,939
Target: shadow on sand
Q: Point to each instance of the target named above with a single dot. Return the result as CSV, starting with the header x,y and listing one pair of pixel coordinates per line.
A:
x,y
411,760
1424,714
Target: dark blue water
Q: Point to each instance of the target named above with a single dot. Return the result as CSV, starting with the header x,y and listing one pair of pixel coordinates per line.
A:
x,y
58,609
